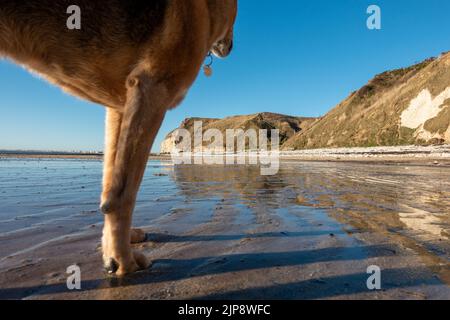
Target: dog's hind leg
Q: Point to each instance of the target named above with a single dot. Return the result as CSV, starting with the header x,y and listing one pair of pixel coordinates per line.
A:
x,y
125,165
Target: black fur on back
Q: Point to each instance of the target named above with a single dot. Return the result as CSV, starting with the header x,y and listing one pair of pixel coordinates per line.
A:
x,y
143,17
101,20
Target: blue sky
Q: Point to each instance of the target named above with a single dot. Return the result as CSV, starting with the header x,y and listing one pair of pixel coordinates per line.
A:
x,y
295,57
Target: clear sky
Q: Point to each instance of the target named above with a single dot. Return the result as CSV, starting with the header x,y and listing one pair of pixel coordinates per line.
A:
x,y
295,57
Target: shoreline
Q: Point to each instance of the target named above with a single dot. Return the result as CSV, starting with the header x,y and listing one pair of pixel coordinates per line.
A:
x,y
432,155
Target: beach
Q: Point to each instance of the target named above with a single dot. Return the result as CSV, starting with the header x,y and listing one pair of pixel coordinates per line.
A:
x,y
226,232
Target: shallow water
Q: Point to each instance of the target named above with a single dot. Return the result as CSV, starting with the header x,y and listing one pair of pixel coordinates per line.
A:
x,y
44,200
411,200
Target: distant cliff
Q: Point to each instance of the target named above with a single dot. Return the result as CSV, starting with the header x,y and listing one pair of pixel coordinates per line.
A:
x,y
288,126
404,106
399,107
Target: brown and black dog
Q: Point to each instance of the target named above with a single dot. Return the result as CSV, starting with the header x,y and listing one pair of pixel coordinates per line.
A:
x,y
138,58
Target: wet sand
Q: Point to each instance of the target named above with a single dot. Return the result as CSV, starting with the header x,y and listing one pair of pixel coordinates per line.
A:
x,y
217,232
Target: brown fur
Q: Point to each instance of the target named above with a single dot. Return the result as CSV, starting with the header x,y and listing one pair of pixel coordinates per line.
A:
x,y
137,58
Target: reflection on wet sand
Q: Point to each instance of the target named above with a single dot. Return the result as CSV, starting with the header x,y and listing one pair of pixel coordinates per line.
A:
x,y
411,204
214,232
414,201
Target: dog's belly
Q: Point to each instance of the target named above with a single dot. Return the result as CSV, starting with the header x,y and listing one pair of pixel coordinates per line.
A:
x,y
91,63
99,80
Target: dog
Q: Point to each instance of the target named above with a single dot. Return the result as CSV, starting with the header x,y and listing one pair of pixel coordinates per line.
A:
x,y
137,58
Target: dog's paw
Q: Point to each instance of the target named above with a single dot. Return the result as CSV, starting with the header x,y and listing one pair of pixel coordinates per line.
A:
x,y
111,266
137,263
142,261
138,236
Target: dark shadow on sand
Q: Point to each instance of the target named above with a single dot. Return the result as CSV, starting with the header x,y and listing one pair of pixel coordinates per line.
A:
x,y
174,270
332,286
166,238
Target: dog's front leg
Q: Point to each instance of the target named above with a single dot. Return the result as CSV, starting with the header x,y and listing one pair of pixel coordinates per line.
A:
x,y
124,168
